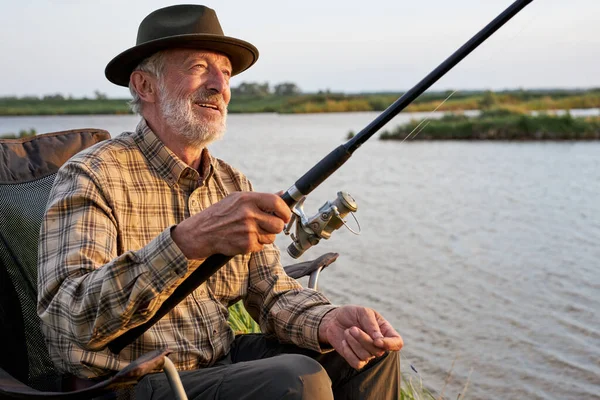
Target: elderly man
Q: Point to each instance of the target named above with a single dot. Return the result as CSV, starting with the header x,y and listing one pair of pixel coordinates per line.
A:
x,y
129,219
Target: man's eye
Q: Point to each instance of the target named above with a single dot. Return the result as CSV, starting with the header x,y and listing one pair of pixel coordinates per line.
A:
x,y
200,66
226,72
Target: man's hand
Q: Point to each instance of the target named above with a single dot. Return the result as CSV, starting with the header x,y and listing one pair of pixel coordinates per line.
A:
x,y
359,334
241,223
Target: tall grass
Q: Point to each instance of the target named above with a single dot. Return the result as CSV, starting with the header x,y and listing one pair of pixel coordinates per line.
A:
x,y
240,321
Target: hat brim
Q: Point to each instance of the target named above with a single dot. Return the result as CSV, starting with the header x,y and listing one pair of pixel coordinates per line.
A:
x,y
241,53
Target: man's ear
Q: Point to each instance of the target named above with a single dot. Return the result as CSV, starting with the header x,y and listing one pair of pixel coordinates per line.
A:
x,y
145,85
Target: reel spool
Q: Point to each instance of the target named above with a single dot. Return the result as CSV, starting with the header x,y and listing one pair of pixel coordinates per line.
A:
x,y
330,217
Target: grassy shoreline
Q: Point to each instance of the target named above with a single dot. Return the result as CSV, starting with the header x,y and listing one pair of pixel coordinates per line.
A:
x,y
500,124
530,100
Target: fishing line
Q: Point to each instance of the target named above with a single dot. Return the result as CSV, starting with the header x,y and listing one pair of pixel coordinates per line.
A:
x,y
508,42
323,169
416,131
427,119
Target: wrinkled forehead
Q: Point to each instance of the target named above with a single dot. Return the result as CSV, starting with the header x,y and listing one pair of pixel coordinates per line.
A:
x,y
183,55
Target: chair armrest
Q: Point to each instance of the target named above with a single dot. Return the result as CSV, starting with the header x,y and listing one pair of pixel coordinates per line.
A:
x,y
311,268
307,267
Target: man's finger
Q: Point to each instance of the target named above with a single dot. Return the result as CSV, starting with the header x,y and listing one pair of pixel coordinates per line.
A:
x,y
365,341
387,329
357,347
269,224
273,204
369,323
266,239
350,357
390,344
391,339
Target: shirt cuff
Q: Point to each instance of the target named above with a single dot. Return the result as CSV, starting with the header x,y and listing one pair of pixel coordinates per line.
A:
x,y
164,260
311,320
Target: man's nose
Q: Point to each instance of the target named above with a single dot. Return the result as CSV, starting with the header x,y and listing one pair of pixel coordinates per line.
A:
x,y
217,81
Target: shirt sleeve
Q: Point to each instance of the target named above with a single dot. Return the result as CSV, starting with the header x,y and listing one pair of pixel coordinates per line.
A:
x,y
88,293
281,305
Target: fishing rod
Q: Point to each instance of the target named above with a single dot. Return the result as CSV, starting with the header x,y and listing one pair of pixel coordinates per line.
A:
x,y
323,169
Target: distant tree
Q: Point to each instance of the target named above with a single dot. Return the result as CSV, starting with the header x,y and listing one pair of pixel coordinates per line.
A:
x,y
99,95
448,92
287,89
251,89
488,101
22,133
56,96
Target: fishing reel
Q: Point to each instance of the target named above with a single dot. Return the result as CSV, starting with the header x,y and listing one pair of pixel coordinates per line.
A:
x,y
310,230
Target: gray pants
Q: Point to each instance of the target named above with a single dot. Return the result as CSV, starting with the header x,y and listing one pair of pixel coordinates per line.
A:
x,y
261,368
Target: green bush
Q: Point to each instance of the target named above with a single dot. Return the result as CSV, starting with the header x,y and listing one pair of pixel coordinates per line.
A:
x,y
22,134
501,123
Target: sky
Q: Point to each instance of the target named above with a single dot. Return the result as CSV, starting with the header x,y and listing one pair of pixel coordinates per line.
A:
x,y
63,46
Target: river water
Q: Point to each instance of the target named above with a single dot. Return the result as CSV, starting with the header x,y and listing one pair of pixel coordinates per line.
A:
x,y
484,256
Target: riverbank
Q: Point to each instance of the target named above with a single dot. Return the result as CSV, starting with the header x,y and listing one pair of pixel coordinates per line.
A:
x,y
324,102
499,124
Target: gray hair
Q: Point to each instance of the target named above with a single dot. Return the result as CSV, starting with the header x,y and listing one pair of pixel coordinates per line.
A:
x,y
154,65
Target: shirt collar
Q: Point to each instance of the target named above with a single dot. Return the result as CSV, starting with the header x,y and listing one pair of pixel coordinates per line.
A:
x,y
170,167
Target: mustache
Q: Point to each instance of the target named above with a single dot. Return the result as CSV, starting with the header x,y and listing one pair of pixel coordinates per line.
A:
x,y
208,96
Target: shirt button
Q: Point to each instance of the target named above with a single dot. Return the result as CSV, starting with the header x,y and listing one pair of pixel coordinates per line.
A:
x,y
194,203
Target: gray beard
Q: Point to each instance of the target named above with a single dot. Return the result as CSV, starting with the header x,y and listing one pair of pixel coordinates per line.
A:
x,y
180,117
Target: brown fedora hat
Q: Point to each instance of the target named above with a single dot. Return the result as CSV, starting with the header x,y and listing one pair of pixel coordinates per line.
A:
x,y
181,26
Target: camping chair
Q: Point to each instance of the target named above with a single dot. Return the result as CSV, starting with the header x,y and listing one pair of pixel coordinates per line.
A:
x,y
28,167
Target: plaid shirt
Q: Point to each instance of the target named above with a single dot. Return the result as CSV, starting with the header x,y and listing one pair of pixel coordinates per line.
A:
x,y
107,262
